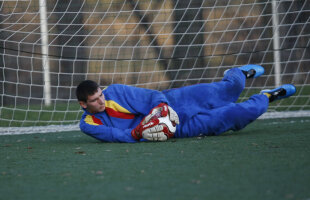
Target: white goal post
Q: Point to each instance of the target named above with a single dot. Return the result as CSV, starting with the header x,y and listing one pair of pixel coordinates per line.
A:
x,y
48,47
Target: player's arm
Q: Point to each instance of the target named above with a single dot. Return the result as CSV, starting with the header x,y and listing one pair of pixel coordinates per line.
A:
x,y
107,134
146,102
153,104
139,100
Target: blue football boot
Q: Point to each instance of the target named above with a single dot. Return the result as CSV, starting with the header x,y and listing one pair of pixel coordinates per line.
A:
x,y
281,92
252,71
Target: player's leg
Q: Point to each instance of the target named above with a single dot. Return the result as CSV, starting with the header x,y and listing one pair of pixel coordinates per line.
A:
x,y
233,116
209,95
216,94
233,81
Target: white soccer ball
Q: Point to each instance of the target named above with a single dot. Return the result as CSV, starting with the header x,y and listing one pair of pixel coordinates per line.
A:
x,y
166,121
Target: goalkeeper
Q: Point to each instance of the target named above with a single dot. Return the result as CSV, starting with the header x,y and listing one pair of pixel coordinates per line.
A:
x,y
121,113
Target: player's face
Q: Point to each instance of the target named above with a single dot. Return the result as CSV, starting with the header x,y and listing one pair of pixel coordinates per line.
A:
x,y
95,103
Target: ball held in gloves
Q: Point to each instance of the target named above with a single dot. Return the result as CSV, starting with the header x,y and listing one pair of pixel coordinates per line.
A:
x,y
169,127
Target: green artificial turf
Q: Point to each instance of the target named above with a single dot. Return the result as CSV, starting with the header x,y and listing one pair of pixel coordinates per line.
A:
x,y
269,159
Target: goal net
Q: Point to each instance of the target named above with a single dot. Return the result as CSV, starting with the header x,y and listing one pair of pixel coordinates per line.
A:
x,y
48,47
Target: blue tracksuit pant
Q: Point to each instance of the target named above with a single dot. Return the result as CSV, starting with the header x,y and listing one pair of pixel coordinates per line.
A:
x,y
211,109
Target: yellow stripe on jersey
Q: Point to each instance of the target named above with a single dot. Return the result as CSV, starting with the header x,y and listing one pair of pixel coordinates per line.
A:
x,y
90,120
116,107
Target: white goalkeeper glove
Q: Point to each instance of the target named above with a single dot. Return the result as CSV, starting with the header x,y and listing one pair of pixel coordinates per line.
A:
x,y
155,133
161,130
150,131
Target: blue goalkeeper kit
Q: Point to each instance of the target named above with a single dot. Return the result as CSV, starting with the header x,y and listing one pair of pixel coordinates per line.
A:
x,y
203,109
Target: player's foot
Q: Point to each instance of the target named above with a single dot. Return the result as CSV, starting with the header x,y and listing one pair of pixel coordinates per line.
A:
x,y
252,71
281,92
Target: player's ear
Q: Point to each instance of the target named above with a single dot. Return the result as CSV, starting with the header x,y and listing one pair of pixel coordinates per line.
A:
x,y
83,104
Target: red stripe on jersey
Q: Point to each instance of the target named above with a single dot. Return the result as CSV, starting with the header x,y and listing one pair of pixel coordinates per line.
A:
x,y
96,120
114,113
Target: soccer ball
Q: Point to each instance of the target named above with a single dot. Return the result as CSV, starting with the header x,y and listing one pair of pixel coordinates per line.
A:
x,y
169,127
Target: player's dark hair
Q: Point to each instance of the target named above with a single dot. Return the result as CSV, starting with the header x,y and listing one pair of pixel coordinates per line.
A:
x,y
85,89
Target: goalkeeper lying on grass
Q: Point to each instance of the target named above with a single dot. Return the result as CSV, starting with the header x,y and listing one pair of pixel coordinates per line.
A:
x,y
121,113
